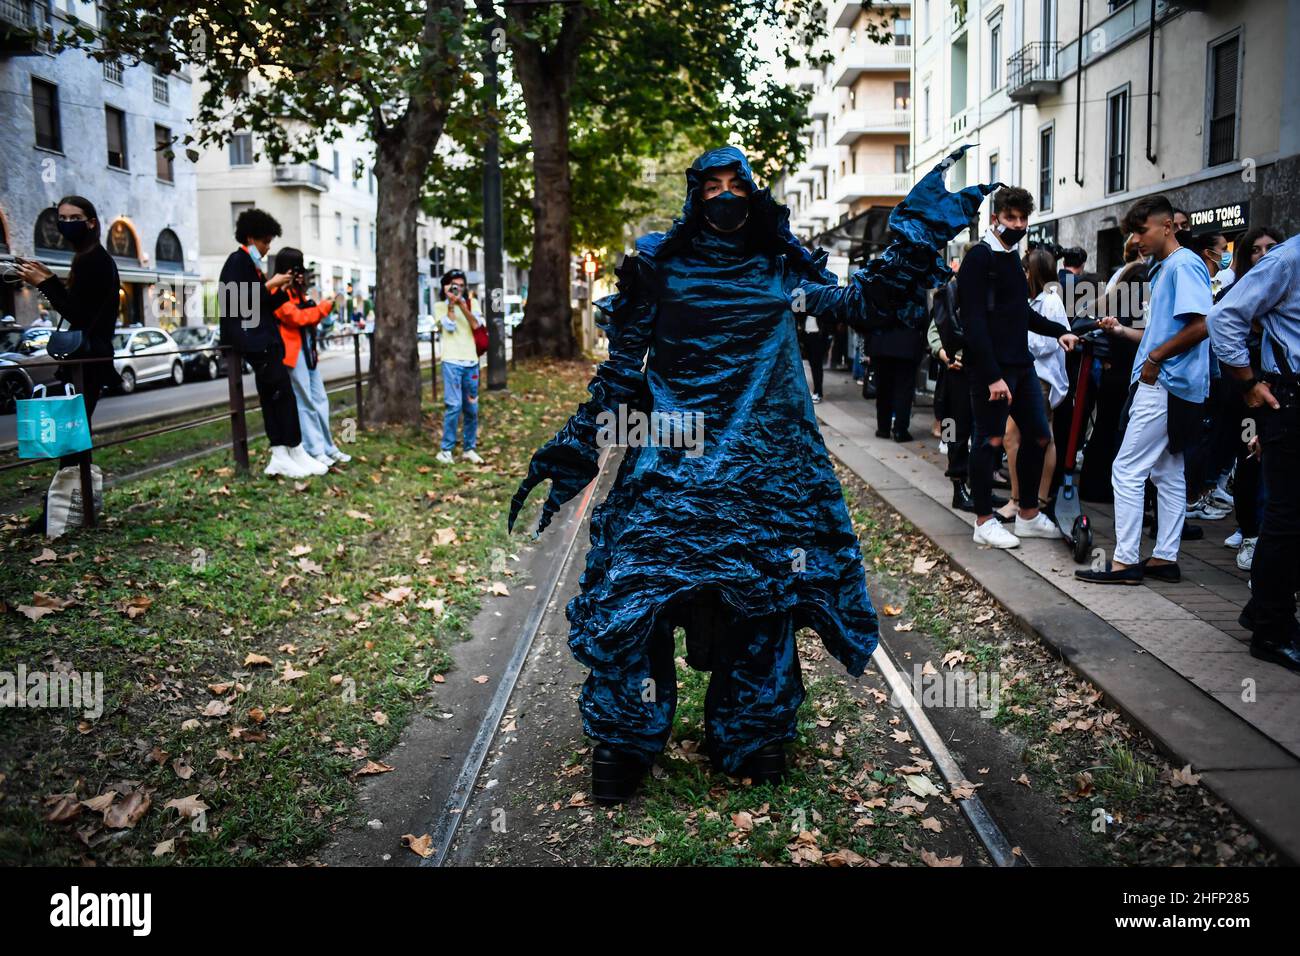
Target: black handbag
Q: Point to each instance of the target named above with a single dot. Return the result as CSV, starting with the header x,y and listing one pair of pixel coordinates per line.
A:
x,y
71,344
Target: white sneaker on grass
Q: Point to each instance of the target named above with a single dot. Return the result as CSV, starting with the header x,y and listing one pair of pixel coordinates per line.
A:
x,y
282,463
444,458
306,462
1039,526
340,457
325,460
1246,553
1233,540
994,535
472,455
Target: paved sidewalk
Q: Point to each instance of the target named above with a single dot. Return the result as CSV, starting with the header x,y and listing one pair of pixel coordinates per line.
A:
x,y
1171,656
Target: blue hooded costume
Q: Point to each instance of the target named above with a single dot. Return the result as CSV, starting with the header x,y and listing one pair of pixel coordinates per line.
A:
x,y
744,538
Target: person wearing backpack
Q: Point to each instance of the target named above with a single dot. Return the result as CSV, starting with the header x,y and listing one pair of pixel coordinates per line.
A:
x,y
952,394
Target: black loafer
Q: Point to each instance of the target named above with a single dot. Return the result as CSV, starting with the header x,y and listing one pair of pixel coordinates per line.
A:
x,y
1131,575
903,437
1288,655
615,775
1169,573
882,432
766,765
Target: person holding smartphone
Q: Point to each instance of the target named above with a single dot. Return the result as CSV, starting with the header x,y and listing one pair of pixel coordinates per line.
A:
x,y
460,367
87,300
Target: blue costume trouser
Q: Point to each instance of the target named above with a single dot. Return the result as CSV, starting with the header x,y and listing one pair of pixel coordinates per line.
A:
x,y
754,693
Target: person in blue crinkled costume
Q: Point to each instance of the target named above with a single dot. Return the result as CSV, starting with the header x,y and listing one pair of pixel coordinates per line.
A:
x,y
741,538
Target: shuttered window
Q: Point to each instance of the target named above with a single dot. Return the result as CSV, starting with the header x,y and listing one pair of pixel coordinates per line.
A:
x,y
1223,101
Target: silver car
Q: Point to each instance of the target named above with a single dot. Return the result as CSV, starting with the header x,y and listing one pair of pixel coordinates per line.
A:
x,y
146,355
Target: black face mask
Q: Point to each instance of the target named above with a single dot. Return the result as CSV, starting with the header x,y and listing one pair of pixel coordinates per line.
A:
x,y
1010,236
726,211
75,231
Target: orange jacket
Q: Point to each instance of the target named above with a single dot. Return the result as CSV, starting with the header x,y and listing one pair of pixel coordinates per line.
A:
x,y
293,317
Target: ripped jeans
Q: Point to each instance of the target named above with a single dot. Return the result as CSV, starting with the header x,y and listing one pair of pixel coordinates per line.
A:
x,y
460,394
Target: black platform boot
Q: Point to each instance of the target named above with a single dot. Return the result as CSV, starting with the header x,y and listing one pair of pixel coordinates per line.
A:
x,y
961,499
615,775
767,765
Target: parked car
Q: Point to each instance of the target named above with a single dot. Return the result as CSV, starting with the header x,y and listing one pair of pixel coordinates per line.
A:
x,y
210,362
22,364
424,328
146,354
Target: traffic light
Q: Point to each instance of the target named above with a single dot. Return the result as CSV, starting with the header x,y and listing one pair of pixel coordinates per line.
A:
x,y
591,267
437,256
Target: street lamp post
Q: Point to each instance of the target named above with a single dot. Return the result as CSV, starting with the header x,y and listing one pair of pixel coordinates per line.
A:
x,y
493,224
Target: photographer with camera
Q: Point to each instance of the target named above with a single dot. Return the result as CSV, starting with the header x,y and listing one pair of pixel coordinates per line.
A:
x,y
300,317
460,367
87,301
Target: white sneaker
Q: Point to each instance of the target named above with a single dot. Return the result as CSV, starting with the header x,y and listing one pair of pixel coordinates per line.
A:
x,y
308,464
325,460
817,398
1206,510
282,463
473,456
444,457
1219,496
1039,526
994,535
1233,540
340,457
943,447
1246,553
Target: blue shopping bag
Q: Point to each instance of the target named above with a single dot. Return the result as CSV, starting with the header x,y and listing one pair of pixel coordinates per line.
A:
x,y
50,427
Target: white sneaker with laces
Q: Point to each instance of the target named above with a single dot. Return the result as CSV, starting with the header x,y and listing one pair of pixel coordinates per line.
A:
x,y
306,462
325,460
444,457
340,457
1246,553
1039,526
1233,540
472,455
994,535
283,464
1220,497
1206,510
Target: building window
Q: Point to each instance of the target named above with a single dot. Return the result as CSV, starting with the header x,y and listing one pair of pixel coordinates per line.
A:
x,y
235,209
113,71
162,138
336,164
995,54
1046,165
372,239
902,32
315,221
45,109
925,113
1222,105
47,231
993,168
168,249
115,125
356,234
241,149
903,94
338,226
161,93
370,175
902,157
121,241
1117,141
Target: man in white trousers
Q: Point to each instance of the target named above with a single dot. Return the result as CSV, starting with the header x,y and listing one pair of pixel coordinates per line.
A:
x,y
1171,381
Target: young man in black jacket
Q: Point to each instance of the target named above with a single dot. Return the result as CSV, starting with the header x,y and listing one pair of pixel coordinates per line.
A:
x,y
247,300
997,319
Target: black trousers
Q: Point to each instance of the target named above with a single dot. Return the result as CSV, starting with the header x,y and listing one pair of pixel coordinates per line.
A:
x,y
275,391
815,347
953,409
895,385
990,421
1275,571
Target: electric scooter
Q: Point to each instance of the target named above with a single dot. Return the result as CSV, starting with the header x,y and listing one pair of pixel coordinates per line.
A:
x,y
1068,513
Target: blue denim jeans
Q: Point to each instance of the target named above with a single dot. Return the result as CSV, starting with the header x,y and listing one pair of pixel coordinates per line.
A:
x,y
313,409
460,393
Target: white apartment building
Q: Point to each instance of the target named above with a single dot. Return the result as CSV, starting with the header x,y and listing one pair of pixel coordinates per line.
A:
x,y
102,131
857,165
1092,104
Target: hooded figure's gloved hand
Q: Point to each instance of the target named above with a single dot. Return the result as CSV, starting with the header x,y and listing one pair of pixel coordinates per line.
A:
x,y
569,472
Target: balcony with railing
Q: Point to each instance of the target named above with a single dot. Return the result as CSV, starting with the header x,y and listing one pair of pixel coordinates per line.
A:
x,y
852,124
1032,72
20,22
303,175
858,58
857,186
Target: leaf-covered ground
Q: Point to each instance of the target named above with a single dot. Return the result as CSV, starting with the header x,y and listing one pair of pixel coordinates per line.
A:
x,y
261,642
